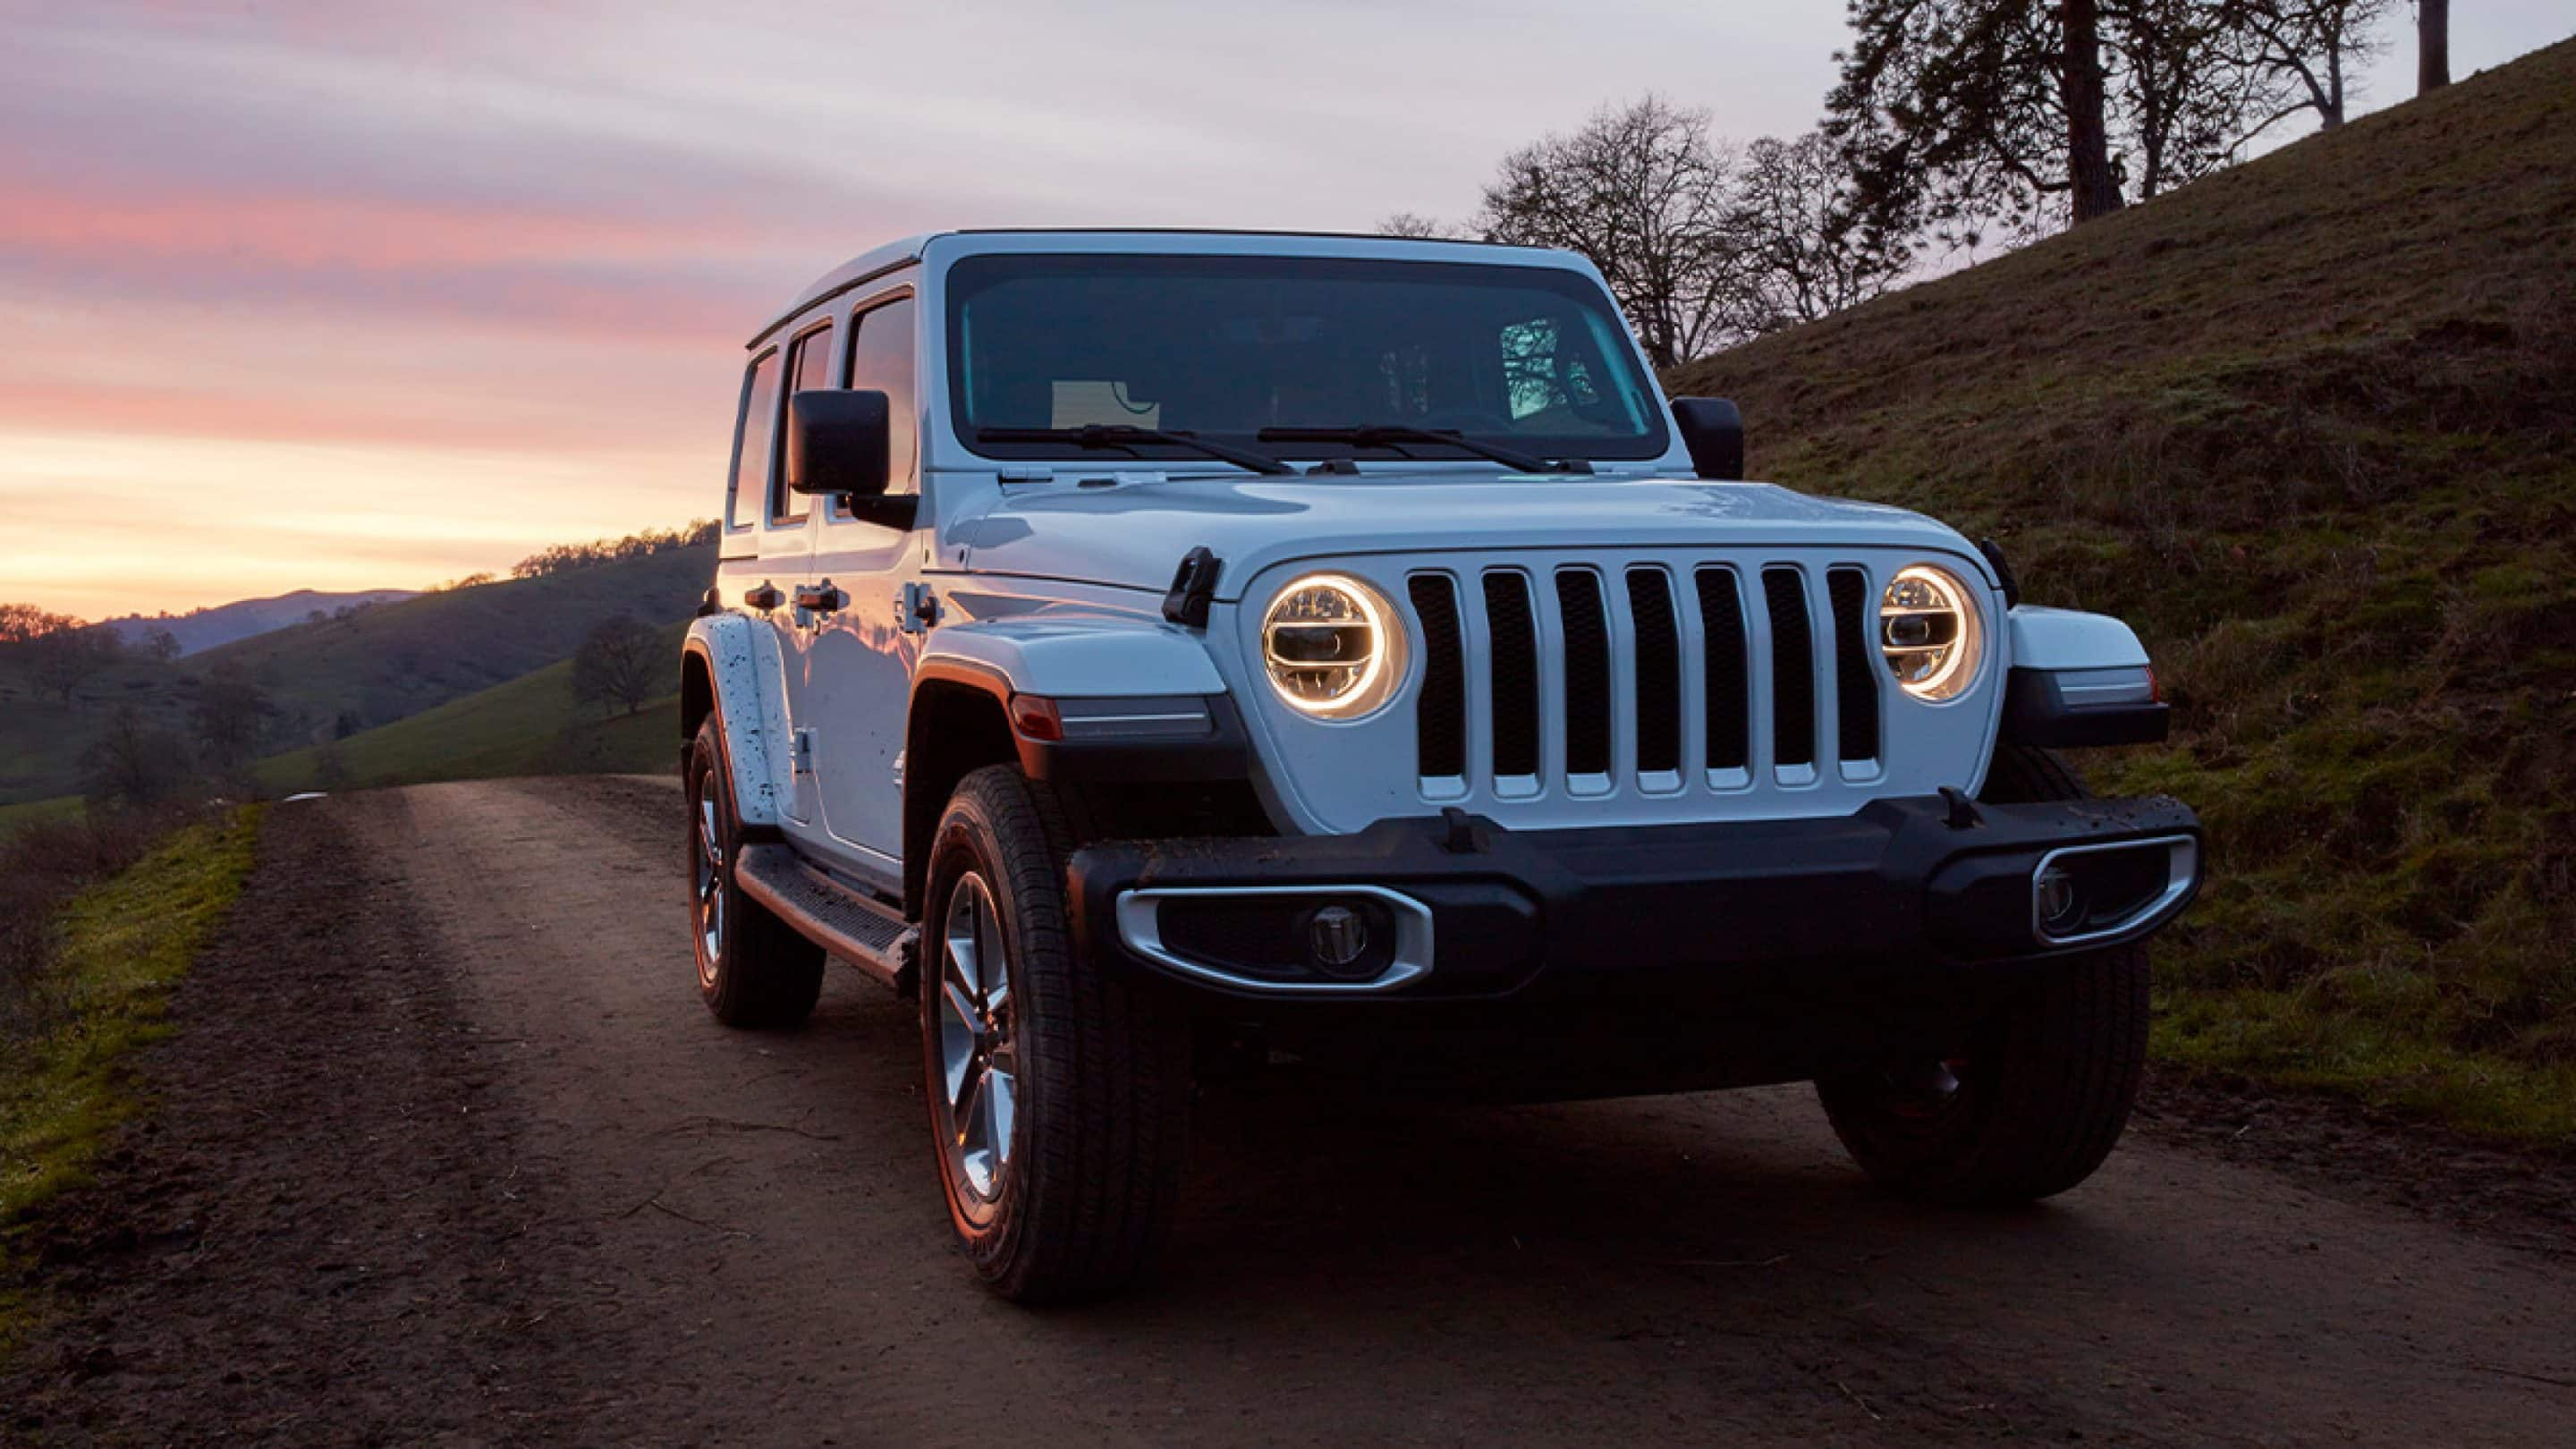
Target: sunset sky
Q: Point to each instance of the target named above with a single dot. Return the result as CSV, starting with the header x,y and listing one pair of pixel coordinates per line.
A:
x,y
319,293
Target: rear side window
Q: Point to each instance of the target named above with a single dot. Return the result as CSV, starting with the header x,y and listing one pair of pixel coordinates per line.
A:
x,y
809,360
881,361
755,436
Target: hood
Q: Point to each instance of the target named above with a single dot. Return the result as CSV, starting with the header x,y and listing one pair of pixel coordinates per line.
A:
x,y
1133,534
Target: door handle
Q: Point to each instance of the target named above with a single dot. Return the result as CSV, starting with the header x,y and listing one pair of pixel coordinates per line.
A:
x,y
819,598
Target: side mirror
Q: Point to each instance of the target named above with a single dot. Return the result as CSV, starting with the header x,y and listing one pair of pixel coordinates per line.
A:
x,y
1713,431
838,442
841,442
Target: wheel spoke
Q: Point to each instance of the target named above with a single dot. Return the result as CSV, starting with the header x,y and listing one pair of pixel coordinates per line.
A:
x,y
1002,1091
967,1107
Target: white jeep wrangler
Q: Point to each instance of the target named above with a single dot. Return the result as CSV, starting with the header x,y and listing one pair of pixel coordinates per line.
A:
x,y
1156,650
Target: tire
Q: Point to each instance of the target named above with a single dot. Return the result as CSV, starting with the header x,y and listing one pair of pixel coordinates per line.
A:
x,y
2043,1089
1072,1090
753,969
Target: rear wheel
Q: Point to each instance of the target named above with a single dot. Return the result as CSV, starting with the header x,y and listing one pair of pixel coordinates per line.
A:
x,y
2033,1101
753,970
1058,1099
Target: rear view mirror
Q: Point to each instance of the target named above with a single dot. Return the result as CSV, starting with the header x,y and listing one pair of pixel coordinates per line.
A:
x,y
838,442
1713,431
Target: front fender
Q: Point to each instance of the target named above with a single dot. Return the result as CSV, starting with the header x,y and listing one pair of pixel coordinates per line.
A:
x,y
1105,658
748,674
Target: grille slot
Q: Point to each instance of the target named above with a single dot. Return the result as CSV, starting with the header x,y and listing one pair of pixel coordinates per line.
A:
x,y
1440,716
1855,673
1513,636
1793,667
1587,672
1659,671
1725,691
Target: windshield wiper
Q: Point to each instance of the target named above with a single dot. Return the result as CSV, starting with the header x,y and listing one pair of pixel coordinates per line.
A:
x,y
1396,435
1120,435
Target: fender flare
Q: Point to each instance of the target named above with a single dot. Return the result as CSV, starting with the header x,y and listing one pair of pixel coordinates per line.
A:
x,y
2079,680
2046,638
746,672
1087,658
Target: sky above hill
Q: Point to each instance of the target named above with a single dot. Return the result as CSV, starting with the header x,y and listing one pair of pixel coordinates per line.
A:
x,y
315,293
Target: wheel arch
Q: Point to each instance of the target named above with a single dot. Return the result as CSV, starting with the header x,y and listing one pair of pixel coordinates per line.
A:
x,y
729,669
959,721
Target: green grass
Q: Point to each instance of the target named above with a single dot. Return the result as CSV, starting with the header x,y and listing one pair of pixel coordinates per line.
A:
x,y
529,726
380,666
122,944
61,806
2310,425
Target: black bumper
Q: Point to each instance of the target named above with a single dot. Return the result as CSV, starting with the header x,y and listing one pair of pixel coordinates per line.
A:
x,y
1922,889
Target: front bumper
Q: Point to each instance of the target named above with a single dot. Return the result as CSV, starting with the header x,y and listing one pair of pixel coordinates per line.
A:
x,y
1919,890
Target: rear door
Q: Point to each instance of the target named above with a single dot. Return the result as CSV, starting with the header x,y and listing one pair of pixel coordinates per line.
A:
x,y
859,684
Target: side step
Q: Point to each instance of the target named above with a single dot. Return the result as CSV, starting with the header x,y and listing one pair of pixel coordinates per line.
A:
x,y
831,915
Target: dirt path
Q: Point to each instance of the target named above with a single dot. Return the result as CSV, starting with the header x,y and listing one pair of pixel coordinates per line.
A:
x,y
493,1175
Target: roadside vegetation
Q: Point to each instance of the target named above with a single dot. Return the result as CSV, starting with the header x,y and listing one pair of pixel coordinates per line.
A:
x,y
68,689
99,916
2310,425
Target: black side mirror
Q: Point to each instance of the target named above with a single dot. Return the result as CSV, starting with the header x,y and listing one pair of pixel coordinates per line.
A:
x,y
838,442
841,442
1714,432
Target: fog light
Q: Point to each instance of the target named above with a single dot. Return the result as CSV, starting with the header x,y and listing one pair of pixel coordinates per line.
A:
x,y
2060,904
1336,936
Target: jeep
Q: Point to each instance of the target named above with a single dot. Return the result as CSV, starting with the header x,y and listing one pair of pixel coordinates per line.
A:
x,y
1165,654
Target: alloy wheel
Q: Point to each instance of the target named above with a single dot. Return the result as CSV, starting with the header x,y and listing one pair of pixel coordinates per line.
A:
x,y
977,1073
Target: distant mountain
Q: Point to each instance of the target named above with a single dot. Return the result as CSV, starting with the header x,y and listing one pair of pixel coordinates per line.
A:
x,y
246,618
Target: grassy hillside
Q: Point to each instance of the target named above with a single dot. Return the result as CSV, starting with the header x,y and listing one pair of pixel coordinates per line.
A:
x,y
388,663
2311,425
529,726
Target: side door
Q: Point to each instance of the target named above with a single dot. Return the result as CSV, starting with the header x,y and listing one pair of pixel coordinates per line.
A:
x,y
787,553
859,683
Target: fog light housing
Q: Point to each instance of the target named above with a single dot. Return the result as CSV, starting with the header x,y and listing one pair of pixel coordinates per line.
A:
x,y
2056,900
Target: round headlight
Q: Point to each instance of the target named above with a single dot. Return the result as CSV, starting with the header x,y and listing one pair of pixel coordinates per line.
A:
x,y
1928,630
1332,646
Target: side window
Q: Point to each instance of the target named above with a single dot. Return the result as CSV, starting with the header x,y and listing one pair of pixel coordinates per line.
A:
x,y
809,359
753,435
881,360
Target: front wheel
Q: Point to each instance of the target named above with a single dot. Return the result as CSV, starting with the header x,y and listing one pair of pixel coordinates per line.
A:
x,y
1058,1099
2034,1101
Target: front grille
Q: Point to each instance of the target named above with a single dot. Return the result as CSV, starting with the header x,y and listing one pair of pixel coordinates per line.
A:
x,y
1648,675
1793,668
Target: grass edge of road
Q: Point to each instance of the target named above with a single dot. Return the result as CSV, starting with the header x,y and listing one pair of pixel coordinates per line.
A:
x,y
122,944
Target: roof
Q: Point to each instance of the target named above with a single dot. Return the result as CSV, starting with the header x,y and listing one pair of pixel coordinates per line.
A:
x,y
867,266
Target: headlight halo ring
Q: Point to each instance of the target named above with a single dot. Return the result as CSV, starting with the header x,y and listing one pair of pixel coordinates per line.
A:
x,y
1931,632
1333,647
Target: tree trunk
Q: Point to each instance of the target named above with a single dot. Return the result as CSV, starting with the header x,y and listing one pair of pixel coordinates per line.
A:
x,y
2088,146
2432,45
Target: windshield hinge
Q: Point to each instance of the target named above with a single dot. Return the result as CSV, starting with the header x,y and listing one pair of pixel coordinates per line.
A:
x,y
1193,588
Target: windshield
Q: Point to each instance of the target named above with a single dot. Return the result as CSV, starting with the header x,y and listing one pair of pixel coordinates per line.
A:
x,y
1532,358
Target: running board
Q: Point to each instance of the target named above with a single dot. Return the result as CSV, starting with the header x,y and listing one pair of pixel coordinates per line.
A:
x,y
829,914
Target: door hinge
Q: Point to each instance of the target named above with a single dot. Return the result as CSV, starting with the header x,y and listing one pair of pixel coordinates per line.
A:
x,y
918,608
801,751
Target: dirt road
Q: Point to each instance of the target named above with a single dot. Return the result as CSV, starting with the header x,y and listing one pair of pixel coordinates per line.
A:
x,y
448,1152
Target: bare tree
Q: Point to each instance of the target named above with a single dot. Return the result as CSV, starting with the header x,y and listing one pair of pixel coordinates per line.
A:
x,y
1642,192
621,662
132,762
230,716
2432,45
68,657
2298,55
1805,247
1416,226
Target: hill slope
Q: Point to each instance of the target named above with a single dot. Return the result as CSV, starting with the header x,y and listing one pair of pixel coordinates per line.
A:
x,y
529,726
243,618
2310,424
382,665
